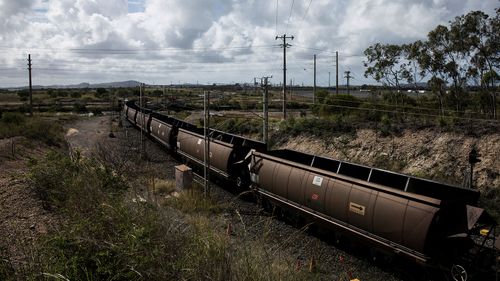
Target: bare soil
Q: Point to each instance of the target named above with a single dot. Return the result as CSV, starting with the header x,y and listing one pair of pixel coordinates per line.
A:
x,y
22,218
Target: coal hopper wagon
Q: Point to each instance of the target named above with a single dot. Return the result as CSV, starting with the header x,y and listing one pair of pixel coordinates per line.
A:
x,y
424,221
400,215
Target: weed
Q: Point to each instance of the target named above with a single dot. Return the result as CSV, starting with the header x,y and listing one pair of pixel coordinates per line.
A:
x,y
16,124
163,187
104,237
6,270
194,200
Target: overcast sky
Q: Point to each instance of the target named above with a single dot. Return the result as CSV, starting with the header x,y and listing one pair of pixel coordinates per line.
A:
x,y
206,41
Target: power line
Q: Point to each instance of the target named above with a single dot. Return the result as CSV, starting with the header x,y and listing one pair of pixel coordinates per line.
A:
x,y
289,16
107,50
276,32
400,112
382,110
305,13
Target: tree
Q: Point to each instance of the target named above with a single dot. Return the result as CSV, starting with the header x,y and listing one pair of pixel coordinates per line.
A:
x,y
76,94
484,40
321,95
454,56
491,79
51,93
413,72
62,93
384,65
437,86
101,93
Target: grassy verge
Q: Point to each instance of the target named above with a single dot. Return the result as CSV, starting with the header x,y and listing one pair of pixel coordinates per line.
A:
x,y
104,237
107,236
45,130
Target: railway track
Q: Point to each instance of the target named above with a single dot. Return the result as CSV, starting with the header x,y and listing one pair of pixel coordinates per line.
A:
x,y
400,216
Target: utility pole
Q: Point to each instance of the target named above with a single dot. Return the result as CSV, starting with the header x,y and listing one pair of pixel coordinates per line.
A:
x,y
337,73
31,87
164,99
206,135
348,76
328,81
265,85
314,83
255,86
291,89
143,143
284,45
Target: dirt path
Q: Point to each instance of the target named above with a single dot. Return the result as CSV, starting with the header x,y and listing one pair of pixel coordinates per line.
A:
x,y
85,134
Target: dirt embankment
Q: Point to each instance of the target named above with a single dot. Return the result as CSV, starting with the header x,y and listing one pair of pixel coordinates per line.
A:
x,y
425,153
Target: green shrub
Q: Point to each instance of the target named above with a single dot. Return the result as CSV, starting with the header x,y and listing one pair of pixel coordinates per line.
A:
x,y
79,108
103,237
318,127
16,124
385,125
13,118
370,111
50,133
339,104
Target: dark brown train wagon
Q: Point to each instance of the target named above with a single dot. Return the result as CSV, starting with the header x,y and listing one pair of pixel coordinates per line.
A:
x,y
162,129
396,220
192,146
386,178
226,151
131,113
142,119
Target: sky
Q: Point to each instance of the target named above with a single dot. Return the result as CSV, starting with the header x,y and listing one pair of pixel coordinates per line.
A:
x,y
207,41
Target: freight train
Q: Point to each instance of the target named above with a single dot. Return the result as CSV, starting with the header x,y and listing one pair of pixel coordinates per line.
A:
x,y
425,221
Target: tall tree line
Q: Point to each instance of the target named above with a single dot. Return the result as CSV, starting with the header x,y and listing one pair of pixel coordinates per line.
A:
x,y
453,58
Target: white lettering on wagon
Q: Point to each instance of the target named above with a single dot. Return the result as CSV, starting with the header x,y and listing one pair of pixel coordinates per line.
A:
x,y
317,180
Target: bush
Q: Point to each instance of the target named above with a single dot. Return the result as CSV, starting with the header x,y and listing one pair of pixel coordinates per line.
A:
x,y
79,108
13,118
76,94
370,111
23,95
339,104
318,127
16,124
238,125
103,237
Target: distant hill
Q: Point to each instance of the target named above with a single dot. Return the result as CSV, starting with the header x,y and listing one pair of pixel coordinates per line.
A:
x,y
122,84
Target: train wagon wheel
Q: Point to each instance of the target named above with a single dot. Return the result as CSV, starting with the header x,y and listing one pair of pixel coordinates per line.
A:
x,y
458,273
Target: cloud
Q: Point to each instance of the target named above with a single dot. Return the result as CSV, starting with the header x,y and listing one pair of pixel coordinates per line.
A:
x,y
213,40
12,8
